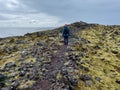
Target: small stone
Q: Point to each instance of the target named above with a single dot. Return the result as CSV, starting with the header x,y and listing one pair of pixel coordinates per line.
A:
x,y
9,51
64,71
88,83
21,59
13,75
24,53
71,87
2,77
10,64
85,77
11,81
31,66
47,62
82,61
2,70
2,84
25,69
44,69
66,63
97,47
114,51
22,73
65,79
52,80
81,54
70,69
66,88
16,84
102,58
74,81
84,68
97,79
58,76
118,81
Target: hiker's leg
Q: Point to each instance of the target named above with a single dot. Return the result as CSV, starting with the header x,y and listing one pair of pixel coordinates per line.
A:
x,y
65,40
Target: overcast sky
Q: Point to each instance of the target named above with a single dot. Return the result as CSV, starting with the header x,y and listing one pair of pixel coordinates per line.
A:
x,y
51,13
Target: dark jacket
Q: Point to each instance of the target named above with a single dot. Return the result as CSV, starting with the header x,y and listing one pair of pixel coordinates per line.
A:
x,y
65,32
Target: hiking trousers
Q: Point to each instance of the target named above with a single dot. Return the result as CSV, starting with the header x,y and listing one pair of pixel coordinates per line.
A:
x,y
65,40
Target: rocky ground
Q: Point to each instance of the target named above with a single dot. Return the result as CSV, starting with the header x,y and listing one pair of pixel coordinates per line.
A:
x,y
40,61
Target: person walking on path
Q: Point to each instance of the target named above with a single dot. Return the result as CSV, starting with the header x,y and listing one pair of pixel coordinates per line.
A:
x,y
66,34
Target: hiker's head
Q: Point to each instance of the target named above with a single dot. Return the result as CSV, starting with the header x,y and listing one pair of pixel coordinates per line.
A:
x,y
65,25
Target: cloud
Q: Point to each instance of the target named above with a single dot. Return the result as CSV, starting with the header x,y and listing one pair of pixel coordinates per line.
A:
x,y
17,14
9,4
58,12
33,20
76,10
12,4
2,18
15,6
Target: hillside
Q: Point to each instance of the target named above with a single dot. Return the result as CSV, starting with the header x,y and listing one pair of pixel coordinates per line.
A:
x,y
40,61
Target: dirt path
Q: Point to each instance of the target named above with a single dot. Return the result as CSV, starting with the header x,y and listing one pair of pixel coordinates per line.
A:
x,y
58,60
57,63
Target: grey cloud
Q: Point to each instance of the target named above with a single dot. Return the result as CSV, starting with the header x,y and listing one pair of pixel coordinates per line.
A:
x,y
102,11
75,10
3,18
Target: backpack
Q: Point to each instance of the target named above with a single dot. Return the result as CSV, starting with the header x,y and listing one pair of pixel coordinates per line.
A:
x,y
66,32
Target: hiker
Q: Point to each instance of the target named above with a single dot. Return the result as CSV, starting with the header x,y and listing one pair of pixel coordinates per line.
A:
x,y
65,34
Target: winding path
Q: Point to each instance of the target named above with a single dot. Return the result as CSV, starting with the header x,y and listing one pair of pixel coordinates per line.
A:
x,y
56,65
58,60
